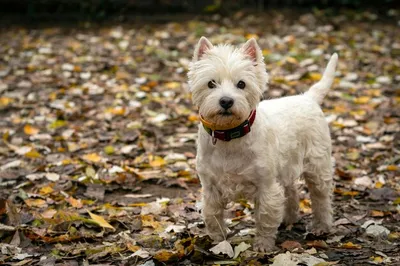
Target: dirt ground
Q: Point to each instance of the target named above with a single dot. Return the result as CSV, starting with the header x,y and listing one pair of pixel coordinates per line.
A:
x,y
98,140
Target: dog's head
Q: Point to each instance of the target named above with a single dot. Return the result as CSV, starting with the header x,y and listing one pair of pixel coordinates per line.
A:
x,y
227,82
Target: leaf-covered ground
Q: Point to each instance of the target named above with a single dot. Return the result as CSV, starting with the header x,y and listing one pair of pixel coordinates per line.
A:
x,y
98,141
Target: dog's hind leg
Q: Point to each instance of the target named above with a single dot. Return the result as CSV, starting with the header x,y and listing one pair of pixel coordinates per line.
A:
x,y
320,184
292,204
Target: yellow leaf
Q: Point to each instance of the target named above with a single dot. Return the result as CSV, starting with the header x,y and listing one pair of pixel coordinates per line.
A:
x,y
57,124
377,259
378,185
358,113
350,193
193,117
148,221
92,157
397,201
4,101
30,130
350,245
132,247
292,60
394,236
76,203
305,206
46,190
172,85
109,149
166,256
340,109
266,52
362,100
251,35
392,168
315,76
117,110
36,203
100,221
33,154
156,161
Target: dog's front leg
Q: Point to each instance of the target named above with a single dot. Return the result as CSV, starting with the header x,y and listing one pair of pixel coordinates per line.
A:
x,y
213,211
269,207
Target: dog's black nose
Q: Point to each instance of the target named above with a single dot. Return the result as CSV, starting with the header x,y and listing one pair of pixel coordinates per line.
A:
x,y
226,102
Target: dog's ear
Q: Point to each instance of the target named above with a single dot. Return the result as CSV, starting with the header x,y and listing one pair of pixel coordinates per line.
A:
x,y
252,50
203,45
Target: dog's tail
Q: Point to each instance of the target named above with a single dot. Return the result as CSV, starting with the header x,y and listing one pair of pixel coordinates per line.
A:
x,y
318,91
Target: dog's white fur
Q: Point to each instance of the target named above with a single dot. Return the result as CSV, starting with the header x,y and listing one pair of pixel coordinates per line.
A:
x,y
289,139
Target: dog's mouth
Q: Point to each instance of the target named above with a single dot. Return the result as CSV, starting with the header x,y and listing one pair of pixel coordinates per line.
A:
x,y
225,113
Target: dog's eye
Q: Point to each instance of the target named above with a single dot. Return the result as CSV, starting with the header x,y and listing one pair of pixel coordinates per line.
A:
x,y
211,84
241,85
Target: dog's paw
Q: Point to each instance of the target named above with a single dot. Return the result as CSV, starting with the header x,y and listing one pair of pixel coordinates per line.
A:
x,y
264,244
321,229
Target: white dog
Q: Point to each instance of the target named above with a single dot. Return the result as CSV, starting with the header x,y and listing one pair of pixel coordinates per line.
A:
x,y
258,150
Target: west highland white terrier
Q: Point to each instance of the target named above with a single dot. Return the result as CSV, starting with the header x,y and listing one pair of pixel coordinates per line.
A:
x,y
258,149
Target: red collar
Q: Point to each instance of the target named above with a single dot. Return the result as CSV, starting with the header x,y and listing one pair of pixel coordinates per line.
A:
x,y
233,133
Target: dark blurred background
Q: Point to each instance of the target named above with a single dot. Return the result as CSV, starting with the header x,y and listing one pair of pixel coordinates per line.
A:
x,y
28,11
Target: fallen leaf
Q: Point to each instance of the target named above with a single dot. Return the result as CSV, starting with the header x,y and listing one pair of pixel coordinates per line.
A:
x,y
40,203
141,253
92,157
52,176
156,161
362,100
350,245
166,256
30,130
240,248
100,220
291,245
223,247
48,214
33,154
375,213
76,203
305,206
377,231
318,244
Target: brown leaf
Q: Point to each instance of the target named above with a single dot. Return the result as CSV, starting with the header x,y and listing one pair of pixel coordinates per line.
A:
x,y
166,256
375,213
291,245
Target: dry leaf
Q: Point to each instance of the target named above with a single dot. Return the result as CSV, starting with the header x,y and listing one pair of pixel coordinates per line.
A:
x,y
317,244
100,221
350,245
290,245
92,157
30,130
223,247
76,203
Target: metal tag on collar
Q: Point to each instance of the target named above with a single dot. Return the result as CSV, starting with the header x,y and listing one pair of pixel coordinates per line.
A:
x,y
214,139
